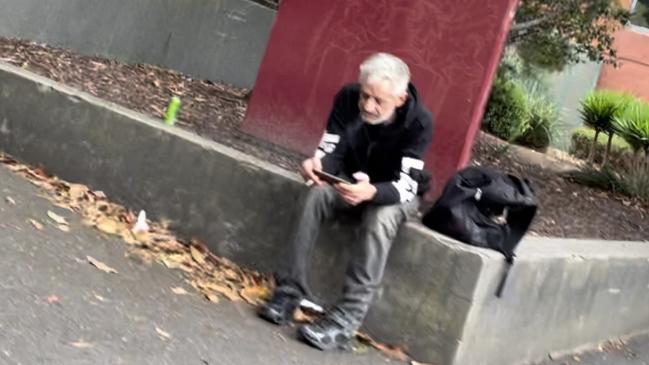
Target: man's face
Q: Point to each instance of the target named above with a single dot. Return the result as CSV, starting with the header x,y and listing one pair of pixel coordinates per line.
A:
x,y
377,102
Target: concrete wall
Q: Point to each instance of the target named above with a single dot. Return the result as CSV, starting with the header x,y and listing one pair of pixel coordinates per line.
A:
x,y
563,293
213,39
437,296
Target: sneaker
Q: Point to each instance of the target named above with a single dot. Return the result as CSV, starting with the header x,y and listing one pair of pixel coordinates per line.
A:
x,y
281,306
333,331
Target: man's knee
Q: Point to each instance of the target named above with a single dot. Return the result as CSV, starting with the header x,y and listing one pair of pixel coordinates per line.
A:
x,y
387,218
319,196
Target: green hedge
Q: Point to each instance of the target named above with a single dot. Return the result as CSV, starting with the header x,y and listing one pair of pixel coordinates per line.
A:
x,y
521,113
506,109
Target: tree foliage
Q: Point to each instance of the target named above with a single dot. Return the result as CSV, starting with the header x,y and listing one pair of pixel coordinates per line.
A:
x,y
554,33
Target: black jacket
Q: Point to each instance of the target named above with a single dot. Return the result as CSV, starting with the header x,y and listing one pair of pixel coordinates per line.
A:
x,y
392,154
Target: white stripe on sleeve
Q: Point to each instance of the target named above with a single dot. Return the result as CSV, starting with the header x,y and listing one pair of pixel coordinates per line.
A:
x,y
408,163
327,145
406,185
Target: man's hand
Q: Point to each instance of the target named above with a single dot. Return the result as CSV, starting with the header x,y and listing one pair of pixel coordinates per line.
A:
x,y
308,166
355,194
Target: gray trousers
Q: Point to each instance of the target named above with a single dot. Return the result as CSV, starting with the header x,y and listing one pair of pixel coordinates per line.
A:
x,y
379,227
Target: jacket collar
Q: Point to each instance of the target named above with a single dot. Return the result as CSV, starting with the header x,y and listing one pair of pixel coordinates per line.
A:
x,y
408,111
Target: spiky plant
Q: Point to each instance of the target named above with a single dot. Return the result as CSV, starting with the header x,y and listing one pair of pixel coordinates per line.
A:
x,y
599,111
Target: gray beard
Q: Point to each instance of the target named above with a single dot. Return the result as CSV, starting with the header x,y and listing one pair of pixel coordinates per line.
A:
x,y
379,121
374,122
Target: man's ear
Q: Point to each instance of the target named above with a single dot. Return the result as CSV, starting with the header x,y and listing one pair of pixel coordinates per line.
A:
x,y
401,99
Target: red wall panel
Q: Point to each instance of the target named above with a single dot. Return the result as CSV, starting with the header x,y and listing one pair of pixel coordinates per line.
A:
x,y
452,47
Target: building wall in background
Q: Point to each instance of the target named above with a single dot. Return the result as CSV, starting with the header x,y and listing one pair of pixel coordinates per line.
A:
x,y
632,44
567,89
632,75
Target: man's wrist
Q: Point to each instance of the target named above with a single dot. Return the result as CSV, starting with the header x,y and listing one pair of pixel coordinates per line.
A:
x,y
374,191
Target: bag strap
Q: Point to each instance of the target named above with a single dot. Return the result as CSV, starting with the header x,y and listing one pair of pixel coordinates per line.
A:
x,y
503,280
517,225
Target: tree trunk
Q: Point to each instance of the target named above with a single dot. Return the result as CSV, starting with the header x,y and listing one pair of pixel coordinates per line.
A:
x,y
608,149
593,147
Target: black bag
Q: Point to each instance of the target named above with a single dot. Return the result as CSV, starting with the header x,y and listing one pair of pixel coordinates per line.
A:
x,y
486,208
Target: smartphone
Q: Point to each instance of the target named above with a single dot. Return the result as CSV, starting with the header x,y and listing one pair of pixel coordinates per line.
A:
x,y
329,178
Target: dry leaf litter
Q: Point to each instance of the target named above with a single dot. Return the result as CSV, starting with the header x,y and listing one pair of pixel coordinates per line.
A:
x,y
213,276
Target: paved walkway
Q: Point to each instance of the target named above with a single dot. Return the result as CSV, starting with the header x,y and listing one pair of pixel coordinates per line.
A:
x,y
58,309
633,352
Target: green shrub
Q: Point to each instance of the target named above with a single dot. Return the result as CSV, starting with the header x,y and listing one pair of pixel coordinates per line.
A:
x,y
582,139
632,179
506,110
605,179
519,110
542,118
633,126
600,108
599,111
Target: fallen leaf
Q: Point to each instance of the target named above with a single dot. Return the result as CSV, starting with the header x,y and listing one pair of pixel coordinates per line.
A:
x,y
230,274
576,358
108,225
177,265
42,184
179,291
10,200
57,218
100,265
52,299
197,255
100,298
212,297
225,290
81,344
255,294
77,191
130,217
279,335
164,335
98,66
175,261
99,194
393,352
133,239
36,224
17,167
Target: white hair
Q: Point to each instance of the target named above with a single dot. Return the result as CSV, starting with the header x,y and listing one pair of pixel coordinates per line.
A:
x,y
384,66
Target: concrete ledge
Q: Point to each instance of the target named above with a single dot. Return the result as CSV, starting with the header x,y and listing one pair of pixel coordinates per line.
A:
x,y
214,39
437,296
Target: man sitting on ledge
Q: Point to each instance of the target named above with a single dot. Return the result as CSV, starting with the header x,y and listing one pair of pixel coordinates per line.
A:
x,y
377,134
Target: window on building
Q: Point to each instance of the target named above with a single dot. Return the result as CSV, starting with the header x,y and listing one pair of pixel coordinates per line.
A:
x,y
640,13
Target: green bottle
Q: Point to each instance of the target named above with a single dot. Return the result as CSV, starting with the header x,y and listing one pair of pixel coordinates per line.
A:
x,y
172,110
